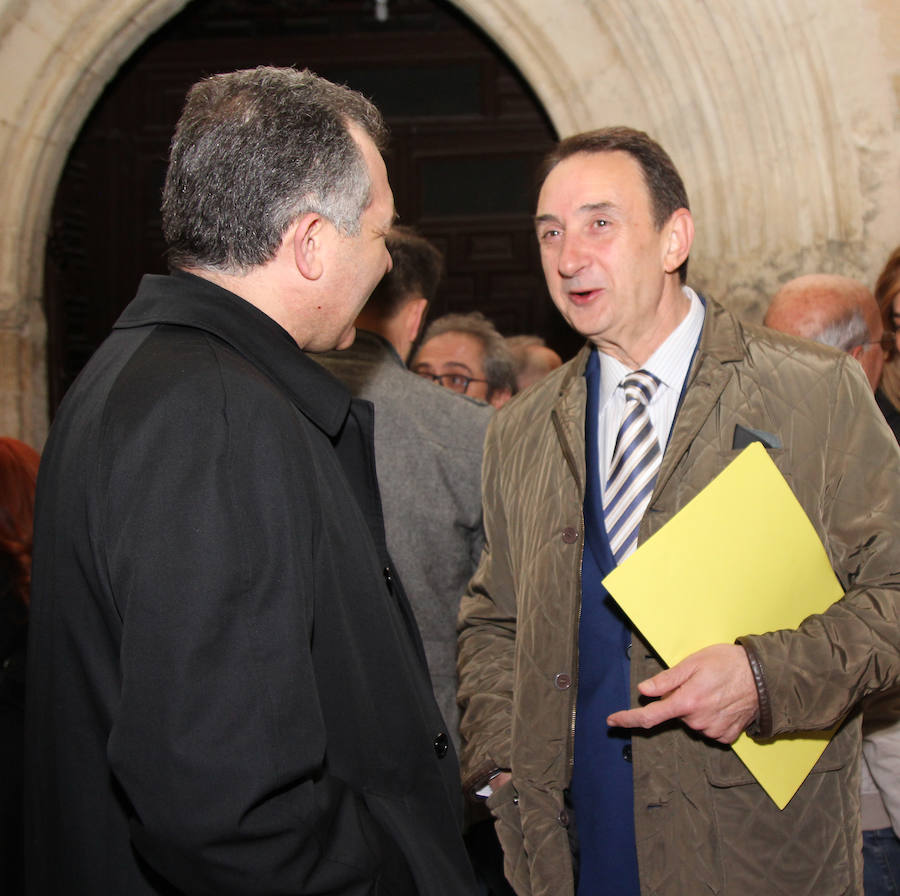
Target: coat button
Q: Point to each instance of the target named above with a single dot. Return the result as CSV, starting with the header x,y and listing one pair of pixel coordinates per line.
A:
x,y
626,752
441,745
570,535
562,682
563,818
388,577
628,650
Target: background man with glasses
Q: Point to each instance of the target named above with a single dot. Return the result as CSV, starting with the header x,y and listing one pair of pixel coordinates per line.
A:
x,y
466,353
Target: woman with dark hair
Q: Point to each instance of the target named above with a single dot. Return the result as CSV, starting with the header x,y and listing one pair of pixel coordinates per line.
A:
x,y
887,293
18,473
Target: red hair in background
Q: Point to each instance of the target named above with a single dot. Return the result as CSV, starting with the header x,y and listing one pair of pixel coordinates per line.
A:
x,y
18,474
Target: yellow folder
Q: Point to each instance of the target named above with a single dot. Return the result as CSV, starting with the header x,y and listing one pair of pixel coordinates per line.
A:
x,y
741,558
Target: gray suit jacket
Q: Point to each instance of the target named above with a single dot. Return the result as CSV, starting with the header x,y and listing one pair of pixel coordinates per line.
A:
x,y
428,445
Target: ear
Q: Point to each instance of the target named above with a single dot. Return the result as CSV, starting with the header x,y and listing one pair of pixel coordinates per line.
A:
x,y
307,238
856,351
499,397
414,317
679,237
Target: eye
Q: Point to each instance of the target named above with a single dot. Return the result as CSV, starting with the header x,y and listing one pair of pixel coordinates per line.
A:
x,y
549,234
599,223
457,380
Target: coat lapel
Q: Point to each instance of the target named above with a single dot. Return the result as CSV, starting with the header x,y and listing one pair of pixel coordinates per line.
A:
x,y
711,370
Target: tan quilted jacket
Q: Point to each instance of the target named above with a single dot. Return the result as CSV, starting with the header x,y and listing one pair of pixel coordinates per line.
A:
x,y
702,824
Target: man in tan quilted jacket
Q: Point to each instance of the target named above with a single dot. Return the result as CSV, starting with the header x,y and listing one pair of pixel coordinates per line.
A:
x,y
606,772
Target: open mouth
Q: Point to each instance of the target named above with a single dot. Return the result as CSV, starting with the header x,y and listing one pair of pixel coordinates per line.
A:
x,y
583,296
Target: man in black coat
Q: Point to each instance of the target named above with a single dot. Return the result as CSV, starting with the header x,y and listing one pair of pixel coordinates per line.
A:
x,y
227,689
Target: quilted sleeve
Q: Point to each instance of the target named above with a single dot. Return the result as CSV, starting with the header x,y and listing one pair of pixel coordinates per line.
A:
x,y
815,675
487,632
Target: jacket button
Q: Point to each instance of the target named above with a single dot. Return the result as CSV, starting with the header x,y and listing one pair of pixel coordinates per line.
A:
x,y
388,577
628,650
626,752
562,682
441,745
570,535
563,818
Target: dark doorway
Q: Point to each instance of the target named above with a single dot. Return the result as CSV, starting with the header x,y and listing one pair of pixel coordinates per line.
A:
x,y
466,137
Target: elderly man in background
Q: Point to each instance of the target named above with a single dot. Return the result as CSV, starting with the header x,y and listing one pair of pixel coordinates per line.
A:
x,y
465,353
833,310
841,312
533,358
227,691
592,796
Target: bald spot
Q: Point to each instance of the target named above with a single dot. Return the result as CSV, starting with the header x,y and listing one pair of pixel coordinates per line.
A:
x,y
807,305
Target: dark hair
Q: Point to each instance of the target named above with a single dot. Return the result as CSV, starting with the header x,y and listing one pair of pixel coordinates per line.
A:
x,y
499,367
254,150
664,183
886,288
417,268
18,475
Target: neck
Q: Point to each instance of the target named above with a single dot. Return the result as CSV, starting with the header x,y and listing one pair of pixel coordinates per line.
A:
x,y
636,348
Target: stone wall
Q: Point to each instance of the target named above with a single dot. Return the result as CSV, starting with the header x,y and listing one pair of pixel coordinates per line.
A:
x,y
783,116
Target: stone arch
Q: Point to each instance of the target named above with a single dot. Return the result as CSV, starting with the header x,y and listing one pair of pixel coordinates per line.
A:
x,y
782,118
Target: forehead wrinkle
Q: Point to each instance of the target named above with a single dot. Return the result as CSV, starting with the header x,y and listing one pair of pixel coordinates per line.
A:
x,y
592,207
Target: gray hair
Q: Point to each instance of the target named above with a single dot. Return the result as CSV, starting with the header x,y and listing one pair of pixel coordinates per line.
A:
x,y
499,367
252,152
846,333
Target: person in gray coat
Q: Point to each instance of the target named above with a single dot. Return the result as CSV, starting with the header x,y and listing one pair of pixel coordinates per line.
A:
x,y
428,444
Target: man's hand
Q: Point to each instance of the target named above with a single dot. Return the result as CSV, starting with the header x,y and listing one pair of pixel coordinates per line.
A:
x,y
711,691
498,781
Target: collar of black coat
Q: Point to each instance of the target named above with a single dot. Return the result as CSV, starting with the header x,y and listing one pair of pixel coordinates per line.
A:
x,y
185,300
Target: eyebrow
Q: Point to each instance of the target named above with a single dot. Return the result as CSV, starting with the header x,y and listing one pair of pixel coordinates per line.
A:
x,y
588,208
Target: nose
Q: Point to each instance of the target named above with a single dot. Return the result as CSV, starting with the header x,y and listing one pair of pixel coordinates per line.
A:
x,y
572,257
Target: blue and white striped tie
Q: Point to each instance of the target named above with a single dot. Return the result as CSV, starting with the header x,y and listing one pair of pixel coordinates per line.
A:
x,y
635,463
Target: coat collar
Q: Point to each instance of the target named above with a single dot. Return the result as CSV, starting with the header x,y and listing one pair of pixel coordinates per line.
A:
x,y
721,344
185,300
372,347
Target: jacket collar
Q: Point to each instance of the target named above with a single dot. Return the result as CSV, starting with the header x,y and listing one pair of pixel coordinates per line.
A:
x,y
371,346
184,300
721,344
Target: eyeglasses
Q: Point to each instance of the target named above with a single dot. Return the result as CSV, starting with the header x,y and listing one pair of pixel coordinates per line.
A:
x,y
454,381
887,342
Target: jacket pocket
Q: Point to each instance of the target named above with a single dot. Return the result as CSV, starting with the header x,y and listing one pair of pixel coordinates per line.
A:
x,y
805,849
725,769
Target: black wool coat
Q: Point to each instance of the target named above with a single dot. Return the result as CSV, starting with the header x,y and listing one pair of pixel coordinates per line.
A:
x,y
227,692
